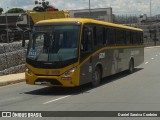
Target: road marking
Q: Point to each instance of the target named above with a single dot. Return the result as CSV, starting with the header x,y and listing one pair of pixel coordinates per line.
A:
x,y
146,62
152,58
57,99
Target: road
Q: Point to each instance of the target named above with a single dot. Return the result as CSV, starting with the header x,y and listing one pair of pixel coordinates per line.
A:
x,y
122,92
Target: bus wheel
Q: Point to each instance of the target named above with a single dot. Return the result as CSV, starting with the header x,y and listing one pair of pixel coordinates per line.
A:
x,y
131,66
96,77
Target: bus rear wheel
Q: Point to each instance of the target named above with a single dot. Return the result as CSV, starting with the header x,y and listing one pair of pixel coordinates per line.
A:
x,y
131,66
96,77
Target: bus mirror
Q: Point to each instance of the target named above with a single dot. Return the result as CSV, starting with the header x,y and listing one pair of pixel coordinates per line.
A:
x,y
24,36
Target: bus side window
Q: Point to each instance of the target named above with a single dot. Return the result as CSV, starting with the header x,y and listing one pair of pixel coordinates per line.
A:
x,y
98,37
131,38
140,35
86,43
134,38
95,35
111,37
127,38
137,38
141,38
124,38
106,36
120,34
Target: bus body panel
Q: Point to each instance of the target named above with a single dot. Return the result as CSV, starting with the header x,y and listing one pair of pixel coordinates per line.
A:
x,y
86,72
115,60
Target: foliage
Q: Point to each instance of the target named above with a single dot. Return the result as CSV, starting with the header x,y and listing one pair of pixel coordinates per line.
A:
x,y
16,10
43,3
36,2
1,10
43,6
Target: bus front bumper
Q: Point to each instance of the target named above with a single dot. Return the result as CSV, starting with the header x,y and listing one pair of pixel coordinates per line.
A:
x,y
57,81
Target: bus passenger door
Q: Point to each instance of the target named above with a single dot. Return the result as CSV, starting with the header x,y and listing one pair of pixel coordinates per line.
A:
x,y
85,56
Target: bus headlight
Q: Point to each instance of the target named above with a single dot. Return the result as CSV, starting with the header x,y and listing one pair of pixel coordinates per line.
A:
x,y
29,71
69,72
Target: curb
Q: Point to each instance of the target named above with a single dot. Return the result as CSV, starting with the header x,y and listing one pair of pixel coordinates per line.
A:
x,y
152,47
11,82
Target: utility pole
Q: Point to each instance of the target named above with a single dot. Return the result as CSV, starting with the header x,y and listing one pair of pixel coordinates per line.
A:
x,y
7,27
89,8
150,8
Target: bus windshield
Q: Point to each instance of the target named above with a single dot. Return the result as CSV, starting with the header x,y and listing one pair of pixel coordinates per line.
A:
x,y
54,43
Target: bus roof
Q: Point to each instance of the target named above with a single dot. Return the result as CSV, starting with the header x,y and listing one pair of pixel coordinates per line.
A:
x,y
86,20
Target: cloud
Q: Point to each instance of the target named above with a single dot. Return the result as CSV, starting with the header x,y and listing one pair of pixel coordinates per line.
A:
x,y
119,6
8,4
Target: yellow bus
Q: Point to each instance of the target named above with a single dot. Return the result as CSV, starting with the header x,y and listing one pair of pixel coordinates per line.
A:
x,y
70,52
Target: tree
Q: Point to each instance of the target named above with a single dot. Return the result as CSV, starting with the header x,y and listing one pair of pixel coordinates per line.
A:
x,y
43,6
1,10
36,2
16,10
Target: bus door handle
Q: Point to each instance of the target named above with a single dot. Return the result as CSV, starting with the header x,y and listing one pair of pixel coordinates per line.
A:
x,y
90,60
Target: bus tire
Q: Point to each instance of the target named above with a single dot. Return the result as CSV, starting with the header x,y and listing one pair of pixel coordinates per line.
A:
x,y
96,77
131,66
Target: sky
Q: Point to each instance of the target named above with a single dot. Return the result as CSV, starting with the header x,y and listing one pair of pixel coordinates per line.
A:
x,y
121,7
